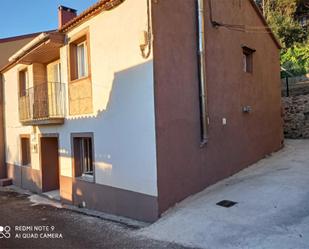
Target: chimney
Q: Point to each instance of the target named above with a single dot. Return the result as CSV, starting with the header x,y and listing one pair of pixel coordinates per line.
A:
x,y
65,15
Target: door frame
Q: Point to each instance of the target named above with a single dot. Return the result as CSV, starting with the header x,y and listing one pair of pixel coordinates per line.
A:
x,y
48,135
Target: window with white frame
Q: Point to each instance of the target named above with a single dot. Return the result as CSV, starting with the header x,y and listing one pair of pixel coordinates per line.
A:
x,y
23,82
79,66
82,63
57,73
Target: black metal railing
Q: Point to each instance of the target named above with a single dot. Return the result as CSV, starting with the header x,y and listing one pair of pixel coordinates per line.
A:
x,y
42,102
294,83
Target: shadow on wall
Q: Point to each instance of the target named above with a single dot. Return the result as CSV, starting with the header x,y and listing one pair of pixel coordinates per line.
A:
x,y
25,176
124,133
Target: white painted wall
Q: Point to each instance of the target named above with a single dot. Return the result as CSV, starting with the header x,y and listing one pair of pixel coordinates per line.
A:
x,y
123,120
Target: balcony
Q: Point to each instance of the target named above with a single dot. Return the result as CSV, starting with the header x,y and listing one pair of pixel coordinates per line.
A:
x,y
43,104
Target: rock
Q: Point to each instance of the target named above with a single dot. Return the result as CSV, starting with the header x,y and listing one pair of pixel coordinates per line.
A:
x,y
296,116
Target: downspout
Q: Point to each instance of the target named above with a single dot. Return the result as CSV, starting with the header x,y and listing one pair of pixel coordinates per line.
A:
x,y
147,35
202,69
3,171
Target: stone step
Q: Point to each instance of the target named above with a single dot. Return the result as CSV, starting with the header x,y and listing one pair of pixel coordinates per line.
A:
x,y
6,182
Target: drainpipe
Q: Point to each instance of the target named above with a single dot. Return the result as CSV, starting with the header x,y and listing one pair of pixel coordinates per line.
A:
x,y
3,173
202,69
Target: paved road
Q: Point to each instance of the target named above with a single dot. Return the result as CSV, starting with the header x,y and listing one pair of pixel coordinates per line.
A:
x,y
77,230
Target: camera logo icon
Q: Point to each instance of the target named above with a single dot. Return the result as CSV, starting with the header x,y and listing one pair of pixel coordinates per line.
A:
x,y
5,232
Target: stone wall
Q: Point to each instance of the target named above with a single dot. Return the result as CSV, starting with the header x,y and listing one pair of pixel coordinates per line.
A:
x,y
296,116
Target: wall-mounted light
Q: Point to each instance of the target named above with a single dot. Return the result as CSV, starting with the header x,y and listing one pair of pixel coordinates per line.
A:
x,y
247,109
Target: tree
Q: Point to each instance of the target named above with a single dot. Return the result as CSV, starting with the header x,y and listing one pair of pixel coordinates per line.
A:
x,y
280,14
296,59
287,30
282,18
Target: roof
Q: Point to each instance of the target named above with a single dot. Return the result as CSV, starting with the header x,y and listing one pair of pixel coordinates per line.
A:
x,y
36,49
46,39
260,14
20,37
110,4
90,12
10,45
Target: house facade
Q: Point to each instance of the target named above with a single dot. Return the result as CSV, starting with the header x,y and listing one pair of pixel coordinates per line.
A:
x,y
128,108
7,47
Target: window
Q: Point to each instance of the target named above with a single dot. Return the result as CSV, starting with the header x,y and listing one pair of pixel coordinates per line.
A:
x,y
248,59
82,65
83,158
79,59
56,73
23,83
25,151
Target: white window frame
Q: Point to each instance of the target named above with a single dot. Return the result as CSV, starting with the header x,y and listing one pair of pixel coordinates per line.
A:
x,y
57,72
27,82
82,60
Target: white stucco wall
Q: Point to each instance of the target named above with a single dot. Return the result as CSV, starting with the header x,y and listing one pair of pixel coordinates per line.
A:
x,y
123,120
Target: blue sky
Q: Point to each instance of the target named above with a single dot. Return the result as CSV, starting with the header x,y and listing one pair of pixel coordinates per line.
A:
x,y
27,16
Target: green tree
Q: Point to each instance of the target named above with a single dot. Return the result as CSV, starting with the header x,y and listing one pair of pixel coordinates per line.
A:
x,y
296,59
280,14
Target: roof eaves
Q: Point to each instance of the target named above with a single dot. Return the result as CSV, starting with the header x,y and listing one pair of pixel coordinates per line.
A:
x,y
39,39
20,37
90,12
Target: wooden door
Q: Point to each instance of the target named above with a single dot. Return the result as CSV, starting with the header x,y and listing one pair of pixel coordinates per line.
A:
x,y
49,163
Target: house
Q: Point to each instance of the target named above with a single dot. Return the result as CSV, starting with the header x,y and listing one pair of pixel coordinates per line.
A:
x,y
7,47
10,45
131,106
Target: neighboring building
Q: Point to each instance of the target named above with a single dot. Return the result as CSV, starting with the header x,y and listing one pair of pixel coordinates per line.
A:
x,y
110,109
8,46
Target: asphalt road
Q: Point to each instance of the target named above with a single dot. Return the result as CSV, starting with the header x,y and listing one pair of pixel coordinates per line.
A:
x,y
41,226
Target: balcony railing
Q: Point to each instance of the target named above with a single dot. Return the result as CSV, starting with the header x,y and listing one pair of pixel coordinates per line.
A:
x,y
42,104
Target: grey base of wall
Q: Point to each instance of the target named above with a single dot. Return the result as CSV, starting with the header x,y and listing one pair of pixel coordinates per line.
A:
x,y
116,201
3,170
25,177
95,196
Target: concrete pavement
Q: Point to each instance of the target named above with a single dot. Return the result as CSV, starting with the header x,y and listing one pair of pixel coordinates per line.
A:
x,y
272,209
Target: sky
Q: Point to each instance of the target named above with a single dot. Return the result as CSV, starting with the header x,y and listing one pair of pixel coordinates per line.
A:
x,y
21,17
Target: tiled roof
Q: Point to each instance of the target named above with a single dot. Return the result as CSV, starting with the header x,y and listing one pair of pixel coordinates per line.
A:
x,y
110,4
90,12
20,37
